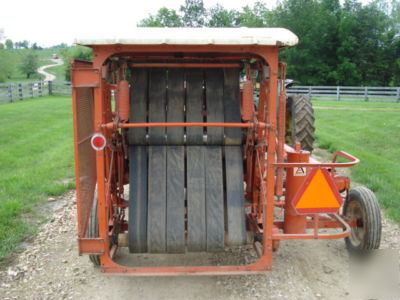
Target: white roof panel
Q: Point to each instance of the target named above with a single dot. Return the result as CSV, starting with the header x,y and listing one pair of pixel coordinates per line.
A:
x,y
196,36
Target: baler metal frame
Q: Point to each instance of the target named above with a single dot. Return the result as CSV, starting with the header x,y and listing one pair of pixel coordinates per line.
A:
x,y
264,192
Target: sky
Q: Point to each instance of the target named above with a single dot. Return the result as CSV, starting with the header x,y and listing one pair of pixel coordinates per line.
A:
x,y
51,22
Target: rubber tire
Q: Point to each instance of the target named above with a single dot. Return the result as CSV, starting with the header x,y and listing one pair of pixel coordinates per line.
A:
x,y
93,230
366,200
300,122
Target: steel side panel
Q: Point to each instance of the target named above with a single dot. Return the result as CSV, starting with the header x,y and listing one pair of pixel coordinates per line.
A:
x,y
85,77
91,246
85,164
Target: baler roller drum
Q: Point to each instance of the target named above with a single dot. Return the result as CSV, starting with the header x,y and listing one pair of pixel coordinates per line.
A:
x,y
163,167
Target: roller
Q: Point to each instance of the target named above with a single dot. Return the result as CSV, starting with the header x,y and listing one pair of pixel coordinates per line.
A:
x,y
248,101
123,106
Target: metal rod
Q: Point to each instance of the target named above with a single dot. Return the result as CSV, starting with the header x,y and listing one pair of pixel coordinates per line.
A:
x,y
324,236
185,65
183,124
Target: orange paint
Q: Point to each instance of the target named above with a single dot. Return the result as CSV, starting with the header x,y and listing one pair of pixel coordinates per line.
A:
x,y
318,194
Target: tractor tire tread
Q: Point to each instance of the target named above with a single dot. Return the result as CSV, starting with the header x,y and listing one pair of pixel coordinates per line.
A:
x,y
373,226
303,121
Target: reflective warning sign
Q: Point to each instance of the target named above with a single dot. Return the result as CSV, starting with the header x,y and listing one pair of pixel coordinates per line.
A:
x,y
299,171
318,194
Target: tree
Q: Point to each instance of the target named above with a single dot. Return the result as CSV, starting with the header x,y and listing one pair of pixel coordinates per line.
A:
x,y
9,44
194,13
77,52
221,17
256,16
29,63
7,65
363,33
36,47
314,58
346,44
164,18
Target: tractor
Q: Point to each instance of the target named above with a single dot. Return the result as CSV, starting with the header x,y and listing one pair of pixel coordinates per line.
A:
x,y
174,154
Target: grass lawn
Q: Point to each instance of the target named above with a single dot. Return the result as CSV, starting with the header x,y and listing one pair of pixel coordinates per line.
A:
x,y
58,71
36,154
370,131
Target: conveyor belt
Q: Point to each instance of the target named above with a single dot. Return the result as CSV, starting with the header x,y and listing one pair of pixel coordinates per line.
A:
x,y
138,114
215,105
161,220
235,217
196,198
175,164
138,199
157,201
157,173
138,163
214,198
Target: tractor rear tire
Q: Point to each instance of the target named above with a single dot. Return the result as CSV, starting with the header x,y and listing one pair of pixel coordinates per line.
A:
x,y
300,122
93,230
362,207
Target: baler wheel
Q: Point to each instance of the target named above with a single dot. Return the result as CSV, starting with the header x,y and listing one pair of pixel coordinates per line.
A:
x,y
300,122
362,206
93,230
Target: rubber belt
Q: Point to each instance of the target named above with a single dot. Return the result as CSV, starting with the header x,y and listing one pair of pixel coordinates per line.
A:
x,y
137,199
215,105
156,226
138,104
214,198
175,164
235,214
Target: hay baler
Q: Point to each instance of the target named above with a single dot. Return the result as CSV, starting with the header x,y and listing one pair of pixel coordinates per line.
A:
x,y
175,154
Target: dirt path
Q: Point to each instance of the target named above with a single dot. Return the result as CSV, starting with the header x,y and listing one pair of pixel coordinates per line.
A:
x,y
50,268
49,76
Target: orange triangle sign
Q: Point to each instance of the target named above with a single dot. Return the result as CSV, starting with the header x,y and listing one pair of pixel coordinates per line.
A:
x,y
318,194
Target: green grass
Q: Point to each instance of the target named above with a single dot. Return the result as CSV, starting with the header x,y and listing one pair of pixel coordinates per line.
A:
x,y
36,154
373,135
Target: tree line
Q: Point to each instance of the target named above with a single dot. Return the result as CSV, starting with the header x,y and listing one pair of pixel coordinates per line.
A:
x,y
339,44
18,57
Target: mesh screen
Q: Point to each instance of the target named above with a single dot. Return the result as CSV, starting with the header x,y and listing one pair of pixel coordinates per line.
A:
x,y
86,159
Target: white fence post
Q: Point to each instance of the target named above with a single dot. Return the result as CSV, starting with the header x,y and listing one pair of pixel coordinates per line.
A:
x,y
398,94
338,93
31,89
10,94
366,93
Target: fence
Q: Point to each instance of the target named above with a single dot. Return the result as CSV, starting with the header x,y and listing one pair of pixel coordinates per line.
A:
x,y
10,92
349,93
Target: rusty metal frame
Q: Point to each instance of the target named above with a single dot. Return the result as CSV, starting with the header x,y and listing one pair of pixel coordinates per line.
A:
x,y
264,129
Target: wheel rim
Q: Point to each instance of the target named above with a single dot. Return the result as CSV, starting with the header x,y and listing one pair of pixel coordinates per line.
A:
x,y
354,212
